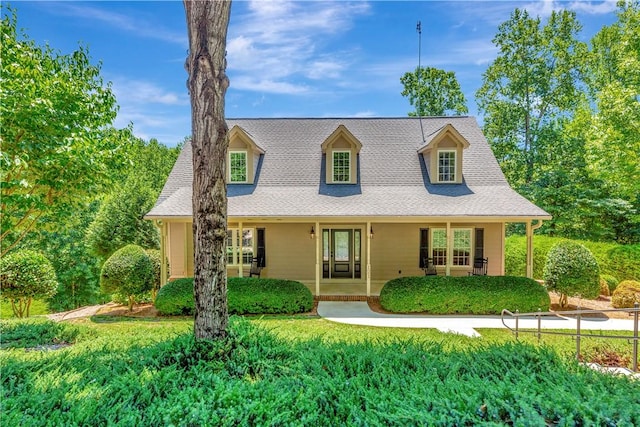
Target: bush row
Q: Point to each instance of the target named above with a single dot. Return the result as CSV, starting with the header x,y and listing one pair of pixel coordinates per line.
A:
x,y
463,295
619,261
245,295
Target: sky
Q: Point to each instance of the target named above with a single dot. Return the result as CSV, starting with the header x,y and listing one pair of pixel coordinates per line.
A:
x,y
285,59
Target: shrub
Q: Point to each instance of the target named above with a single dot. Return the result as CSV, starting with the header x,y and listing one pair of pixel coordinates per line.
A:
x,y
611,282
244,296
463,295
176,298
572,270
249,295
626,294
604,287
624,262
128,271
25,275
32,333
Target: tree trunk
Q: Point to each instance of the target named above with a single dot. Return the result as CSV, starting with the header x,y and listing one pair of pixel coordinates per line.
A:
x,y
207,23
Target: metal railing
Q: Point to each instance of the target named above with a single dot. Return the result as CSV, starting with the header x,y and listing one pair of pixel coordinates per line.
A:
x,y
578,334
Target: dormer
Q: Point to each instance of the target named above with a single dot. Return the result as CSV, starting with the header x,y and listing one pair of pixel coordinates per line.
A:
x,y
442,152
341,150
243,157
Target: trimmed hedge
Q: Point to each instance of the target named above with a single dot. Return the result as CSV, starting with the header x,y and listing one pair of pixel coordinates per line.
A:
x,y
463,295
626,294
612,282
621,261
245,295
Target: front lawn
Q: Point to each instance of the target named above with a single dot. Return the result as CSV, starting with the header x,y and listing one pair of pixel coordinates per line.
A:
x,y
294,371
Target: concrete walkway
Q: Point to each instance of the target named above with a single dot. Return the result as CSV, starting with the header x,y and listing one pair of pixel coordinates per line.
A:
x,y
359,313
78,312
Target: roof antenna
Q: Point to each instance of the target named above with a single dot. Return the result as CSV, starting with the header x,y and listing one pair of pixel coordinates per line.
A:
x,y
419,30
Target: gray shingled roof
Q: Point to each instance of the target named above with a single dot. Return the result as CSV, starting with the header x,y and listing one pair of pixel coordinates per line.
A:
x,y
392,177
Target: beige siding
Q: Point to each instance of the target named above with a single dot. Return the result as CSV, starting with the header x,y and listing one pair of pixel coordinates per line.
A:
x,y
291,253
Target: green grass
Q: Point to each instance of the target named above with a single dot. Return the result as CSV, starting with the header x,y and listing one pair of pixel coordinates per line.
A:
x,y
37,308
304,371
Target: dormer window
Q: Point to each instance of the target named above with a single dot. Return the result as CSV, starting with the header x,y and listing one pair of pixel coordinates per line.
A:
x,y
237,166
442,153
446,166
341,166
341,150
243,158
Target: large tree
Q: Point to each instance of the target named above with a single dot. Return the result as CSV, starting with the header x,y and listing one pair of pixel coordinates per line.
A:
x,y
57,142
207,23
433,92
533,84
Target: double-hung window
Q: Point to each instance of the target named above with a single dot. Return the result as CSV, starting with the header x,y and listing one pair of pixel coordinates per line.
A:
x,y
240,247
461,246
446,166
237,166
341,166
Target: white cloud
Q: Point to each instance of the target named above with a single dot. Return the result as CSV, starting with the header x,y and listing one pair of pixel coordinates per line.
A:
x,y
278,47
129,91
594,8
138,25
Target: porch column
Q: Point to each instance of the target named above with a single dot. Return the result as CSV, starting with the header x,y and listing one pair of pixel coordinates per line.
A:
x,y
185,256
530,229
240,260
163,251
449,250
318,260
368,232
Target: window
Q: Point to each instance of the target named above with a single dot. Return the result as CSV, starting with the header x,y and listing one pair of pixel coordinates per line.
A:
x,y
237,166
424,247
446,166
239,247
341,166
461,246
439,246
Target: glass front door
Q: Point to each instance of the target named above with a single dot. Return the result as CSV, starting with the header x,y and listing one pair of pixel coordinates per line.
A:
x,y
341,253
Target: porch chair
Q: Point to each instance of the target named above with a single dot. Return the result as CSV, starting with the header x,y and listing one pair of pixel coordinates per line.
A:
x,y
479,267
255,268
429,268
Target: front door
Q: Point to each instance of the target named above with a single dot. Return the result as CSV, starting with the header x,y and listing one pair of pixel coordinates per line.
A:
x,y
341,253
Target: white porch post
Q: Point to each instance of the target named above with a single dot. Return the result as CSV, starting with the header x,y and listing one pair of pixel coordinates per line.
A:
x,y
530,229
529,250
241,256
163,251
368,232
449,249
318,260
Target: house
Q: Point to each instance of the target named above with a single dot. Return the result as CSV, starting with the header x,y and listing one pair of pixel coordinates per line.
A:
x,y
346,204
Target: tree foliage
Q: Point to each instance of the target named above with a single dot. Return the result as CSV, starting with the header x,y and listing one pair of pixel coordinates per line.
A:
x,y
120,220
433,92
25,275
533,83
129,271
57,142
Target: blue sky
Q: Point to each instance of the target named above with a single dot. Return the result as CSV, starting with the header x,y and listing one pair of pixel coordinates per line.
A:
x,y
285,59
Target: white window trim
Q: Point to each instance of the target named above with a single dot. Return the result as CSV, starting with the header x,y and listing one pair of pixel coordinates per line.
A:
x,y
236,246
246,166
333,172
449,242
455,165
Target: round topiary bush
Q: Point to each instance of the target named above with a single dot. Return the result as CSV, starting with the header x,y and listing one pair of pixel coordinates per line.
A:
x,y
25,275
604,287
129,271
572,270
626,294
611,282
176,298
